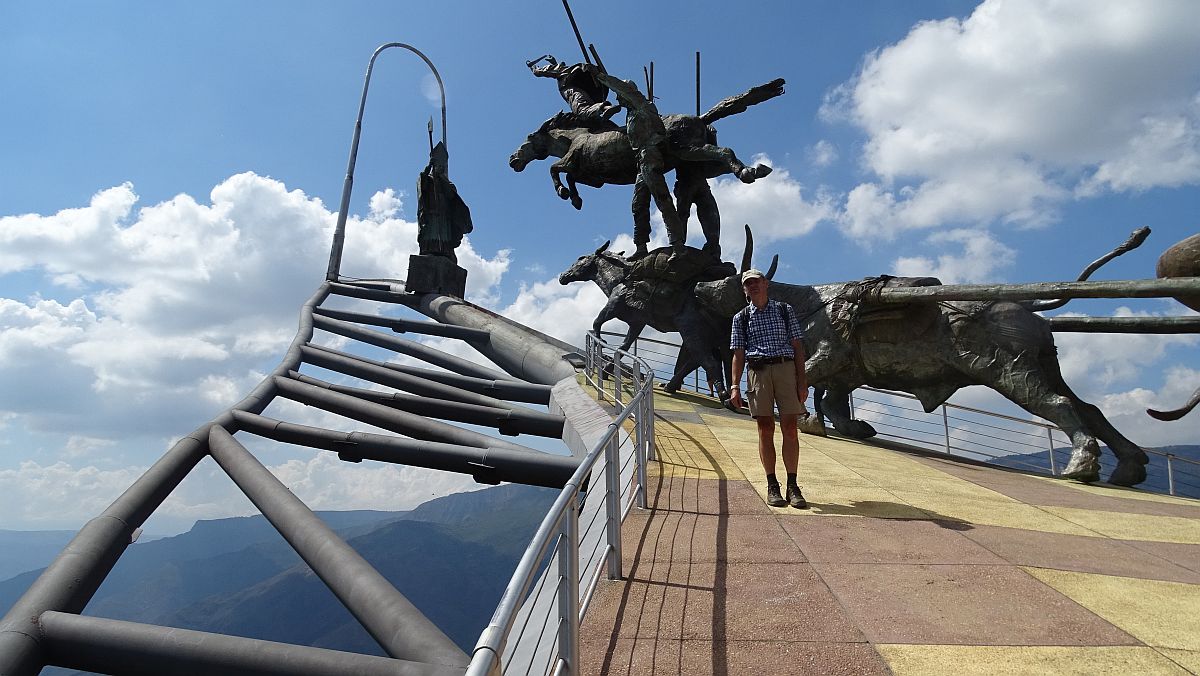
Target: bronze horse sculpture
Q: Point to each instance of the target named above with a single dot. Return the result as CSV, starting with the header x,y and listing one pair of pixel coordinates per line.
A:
x,y
596,152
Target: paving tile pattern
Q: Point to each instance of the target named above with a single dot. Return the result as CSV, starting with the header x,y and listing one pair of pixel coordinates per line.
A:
x,y
905,564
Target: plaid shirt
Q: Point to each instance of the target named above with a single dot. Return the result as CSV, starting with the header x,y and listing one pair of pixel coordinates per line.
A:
x,y
768,334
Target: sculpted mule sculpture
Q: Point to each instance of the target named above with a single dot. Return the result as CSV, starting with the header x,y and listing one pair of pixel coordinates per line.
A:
x,y
652,293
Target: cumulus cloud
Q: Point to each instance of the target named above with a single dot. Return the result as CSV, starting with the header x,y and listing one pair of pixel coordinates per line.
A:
x,y
64,495
178,302
775,206
822,153
1095,363
1005,114
981,258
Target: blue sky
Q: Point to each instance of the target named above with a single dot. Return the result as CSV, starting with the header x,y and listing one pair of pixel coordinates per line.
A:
x,y
169,172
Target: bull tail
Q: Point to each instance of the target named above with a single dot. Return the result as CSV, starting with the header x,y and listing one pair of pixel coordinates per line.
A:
x,y
1178,413
738,104
1135,240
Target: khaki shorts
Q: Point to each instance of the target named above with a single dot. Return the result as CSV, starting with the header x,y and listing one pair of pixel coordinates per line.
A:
x,y
774,383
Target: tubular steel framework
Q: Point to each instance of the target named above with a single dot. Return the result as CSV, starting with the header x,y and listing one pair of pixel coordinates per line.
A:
x,y
419,405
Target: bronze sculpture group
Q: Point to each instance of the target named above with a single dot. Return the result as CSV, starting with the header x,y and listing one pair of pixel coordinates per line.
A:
x,y
925,348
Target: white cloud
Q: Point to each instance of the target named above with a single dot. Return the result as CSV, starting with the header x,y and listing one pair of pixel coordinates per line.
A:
x,y
774,206
185,302
1095,363
59,495
822,153
64,495
1006,114
982,257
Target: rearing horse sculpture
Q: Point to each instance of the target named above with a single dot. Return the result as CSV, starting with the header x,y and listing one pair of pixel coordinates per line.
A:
x,y
596,152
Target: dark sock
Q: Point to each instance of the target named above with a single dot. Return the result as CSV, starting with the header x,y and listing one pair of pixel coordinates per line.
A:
x,y
792,480
771,480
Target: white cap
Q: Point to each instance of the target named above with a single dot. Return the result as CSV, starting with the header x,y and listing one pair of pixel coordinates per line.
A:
x,y
751,273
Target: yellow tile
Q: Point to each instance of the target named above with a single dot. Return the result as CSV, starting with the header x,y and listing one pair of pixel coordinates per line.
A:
x,y
991,513
1188,659
1122,492
920,660
1127,526
1160,614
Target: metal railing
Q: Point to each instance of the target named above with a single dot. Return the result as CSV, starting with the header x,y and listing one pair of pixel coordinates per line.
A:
x,y
535,629
964,431
1013,442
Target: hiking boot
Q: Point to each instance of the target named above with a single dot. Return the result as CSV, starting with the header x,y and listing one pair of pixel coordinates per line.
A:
x,y
774,499
795,498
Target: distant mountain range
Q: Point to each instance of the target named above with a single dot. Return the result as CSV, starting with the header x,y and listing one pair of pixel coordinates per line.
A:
x,y
22,550
452,557
1187,475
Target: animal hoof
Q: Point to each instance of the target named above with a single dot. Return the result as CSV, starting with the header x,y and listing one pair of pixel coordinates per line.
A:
x,y
761,170
856,429
1085,464
577,202
713,250
670,388
563,193
747,175
1128,474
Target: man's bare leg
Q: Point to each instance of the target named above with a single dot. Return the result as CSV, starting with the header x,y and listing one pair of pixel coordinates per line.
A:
x,y
791,459
766,442
791,442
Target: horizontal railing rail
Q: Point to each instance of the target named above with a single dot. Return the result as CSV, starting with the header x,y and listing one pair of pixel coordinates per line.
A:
x,y
535,628
959,430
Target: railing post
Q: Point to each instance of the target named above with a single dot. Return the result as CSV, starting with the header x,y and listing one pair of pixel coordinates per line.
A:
x,y
850,397
1050,439
612,471
1170,475
946,428
617,378
600,369
651,453
568,588
640,453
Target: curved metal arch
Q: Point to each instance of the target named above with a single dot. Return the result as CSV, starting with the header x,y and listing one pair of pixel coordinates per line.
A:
x,y
339,233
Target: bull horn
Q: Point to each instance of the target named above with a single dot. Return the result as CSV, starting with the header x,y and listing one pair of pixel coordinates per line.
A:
x,y
774,266
603,247
748,254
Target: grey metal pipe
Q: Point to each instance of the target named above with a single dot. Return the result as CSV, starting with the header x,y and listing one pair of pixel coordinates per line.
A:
x,y
413,349
394,297
339,232
1125,324
509,421
388,418
408,325
399,627
527,354
71,580
496,390
379,373
1134,288
486,465
117,647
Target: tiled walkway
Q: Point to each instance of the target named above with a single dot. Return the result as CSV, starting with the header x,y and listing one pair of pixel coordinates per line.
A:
x,y
905,564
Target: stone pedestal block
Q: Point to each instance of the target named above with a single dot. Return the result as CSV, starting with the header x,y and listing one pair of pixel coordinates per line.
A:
x,y
435,274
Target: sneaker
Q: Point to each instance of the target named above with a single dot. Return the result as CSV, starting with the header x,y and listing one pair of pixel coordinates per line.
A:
x,y
795,498
774,499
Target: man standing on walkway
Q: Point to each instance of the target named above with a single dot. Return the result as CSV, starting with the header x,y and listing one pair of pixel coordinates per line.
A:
x,y
767,337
